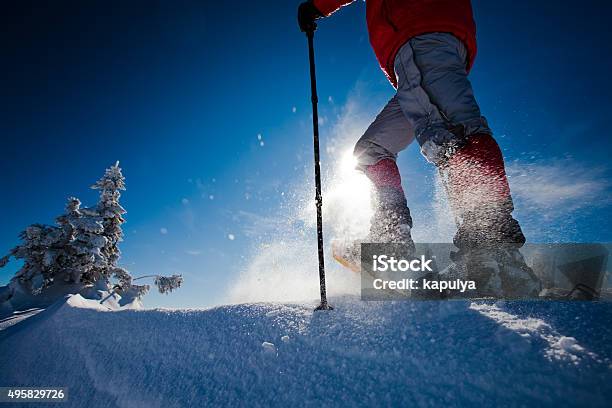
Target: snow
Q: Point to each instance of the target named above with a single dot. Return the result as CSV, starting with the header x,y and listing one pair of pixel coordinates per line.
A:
x,y
80,302
557,346
17,317
400,353
269,348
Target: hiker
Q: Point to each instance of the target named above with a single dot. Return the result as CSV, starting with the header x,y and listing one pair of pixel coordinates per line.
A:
x,y
426,49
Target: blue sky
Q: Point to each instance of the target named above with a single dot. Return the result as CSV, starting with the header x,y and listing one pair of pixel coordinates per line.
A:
x,y
180,91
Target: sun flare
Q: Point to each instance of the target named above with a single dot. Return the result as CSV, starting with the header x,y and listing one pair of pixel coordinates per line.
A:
x,y
347,199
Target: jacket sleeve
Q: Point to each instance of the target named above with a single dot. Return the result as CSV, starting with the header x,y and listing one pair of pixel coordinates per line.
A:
x,y
327,7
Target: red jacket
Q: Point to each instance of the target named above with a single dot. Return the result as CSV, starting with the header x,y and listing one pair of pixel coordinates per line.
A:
x,y
393,22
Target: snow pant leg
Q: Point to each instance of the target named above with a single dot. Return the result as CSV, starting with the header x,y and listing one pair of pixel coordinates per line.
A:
x,y
475,180
390,133
437,98
435,94
376,152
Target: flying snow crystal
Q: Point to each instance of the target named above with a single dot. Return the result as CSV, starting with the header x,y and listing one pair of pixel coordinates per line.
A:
x,y
261,143
259,136
330,99
185,201
163,231
344,198
294,109
231,237
346,213
211,197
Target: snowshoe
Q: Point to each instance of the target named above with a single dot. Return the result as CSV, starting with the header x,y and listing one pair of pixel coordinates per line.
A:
x,y
578,292
499,273
391,223
348,253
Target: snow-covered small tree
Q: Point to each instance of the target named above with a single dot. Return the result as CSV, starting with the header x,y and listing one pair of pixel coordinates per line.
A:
x,y
83,249
86,262
40,251
46,251
165,284
110,211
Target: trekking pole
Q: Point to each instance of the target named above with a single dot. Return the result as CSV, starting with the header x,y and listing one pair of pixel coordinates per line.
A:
x,y
317,167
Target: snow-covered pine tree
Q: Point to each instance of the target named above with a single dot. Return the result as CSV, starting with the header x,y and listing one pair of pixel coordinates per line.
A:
x,y
82,250
84,260
71,271
68,253
111,212
166,284
40,250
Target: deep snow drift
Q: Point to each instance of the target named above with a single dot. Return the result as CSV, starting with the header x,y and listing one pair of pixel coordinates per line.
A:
x,y
381,353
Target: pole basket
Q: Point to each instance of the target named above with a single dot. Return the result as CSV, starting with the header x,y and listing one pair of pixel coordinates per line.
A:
x,y
324,306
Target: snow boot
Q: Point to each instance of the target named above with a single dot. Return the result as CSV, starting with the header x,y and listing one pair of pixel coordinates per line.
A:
x,y
499,273
391,221
488,237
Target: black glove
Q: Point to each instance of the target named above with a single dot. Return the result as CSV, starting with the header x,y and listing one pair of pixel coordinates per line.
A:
x,y
307,14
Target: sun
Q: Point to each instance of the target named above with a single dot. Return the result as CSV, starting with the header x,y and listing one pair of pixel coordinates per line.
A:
x,y
346,200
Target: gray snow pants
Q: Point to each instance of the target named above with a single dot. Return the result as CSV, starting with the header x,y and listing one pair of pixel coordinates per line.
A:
x,y
434,103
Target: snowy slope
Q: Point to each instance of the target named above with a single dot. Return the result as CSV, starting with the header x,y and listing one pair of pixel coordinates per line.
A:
x,y
455,353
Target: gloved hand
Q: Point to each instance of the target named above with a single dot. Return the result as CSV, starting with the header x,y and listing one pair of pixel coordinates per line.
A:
x,y
307,14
